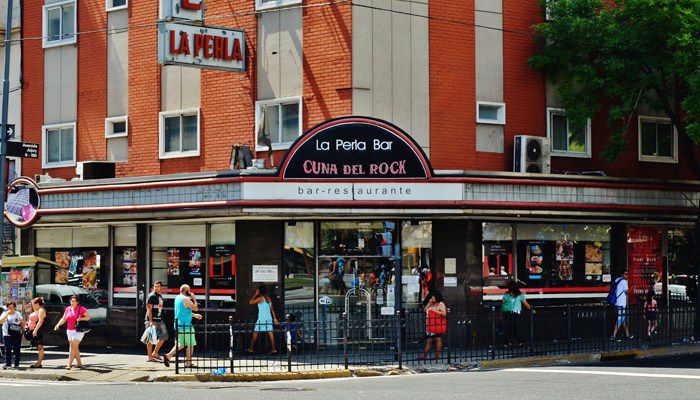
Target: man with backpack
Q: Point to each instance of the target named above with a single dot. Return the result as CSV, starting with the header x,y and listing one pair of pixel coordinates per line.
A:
x,y
618,298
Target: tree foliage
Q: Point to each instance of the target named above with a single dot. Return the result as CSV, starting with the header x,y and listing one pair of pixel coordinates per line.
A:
x,y
630,54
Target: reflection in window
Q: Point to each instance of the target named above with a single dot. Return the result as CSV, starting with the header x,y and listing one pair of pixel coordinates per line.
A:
x,y
681,242
299,270
416,259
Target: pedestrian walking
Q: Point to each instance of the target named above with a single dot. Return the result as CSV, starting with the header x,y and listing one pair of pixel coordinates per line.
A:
x,y
435,324
266,319
36,327
72,317
651,312
185,305
154,321
621,291
12,328
511,308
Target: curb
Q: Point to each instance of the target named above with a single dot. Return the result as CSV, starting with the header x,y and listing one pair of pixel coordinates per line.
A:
x,y
37,376
255,377
591,358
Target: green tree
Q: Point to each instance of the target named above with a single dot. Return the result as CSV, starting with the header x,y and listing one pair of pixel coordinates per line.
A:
x,y
627,55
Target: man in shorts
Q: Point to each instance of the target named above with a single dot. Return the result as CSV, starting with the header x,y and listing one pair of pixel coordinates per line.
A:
x,y
621,293
154,318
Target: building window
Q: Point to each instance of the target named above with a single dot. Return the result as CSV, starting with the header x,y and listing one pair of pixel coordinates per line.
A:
x,y
116,127
114,5
657,140
59,22
179,133
490,113
58,145
281,122
267,4
567,139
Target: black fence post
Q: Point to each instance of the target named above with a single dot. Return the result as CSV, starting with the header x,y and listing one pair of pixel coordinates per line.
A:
x,y
399,335
532,331
288,338
605,328
232,347
568,329
493,332
177,348
345,339
447,336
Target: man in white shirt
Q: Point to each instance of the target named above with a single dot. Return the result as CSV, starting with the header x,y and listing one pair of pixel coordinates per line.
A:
x,y
621,305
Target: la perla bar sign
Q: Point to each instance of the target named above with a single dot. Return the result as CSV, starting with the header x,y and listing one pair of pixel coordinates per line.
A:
x,y
183,40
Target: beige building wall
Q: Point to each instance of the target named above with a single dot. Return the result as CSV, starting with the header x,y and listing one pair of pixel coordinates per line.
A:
x,y
60,84
390,65
280,54
488,16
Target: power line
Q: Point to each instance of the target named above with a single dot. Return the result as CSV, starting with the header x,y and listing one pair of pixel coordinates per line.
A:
x,y
110,31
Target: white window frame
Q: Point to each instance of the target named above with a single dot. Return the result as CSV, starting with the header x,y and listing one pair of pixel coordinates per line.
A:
x,y
274,102
501,113
109,7
162,154
561,153
260,5
44,146
659,159
109,126
45,27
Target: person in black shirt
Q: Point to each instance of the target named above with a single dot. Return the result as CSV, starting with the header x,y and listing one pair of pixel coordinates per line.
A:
x,y
154,318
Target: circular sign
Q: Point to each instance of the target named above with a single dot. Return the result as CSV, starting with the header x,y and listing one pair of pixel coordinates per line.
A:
x,y
22,203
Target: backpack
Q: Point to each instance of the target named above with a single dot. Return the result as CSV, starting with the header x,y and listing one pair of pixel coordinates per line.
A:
x,y
612,294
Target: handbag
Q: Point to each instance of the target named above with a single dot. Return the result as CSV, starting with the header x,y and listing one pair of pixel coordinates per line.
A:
x,y
14,329
82,326
28,334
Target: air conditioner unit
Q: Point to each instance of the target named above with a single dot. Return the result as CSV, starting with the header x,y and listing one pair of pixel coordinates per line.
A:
x,y
95,169
531,154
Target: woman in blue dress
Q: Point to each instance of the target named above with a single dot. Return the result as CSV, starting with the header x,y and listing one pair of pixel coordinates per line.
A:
x,y
266,318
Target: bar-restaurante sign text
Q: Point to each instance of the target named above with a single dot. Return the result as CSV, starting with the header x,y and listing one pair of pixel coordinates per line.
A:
x,y
201,46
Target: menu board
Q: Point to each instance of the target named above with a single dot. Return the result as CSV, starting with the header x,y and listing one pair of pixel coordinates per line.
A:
x,y
222,267
195,261
644,261
173,262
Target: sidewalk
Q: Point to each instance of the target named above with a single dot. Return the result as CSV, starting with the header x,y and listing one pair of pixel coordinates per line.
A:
x,y
125,367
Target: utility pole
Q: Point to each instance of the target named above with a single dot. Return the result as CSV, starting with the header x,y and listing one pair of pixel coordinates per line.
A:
x,y
3,132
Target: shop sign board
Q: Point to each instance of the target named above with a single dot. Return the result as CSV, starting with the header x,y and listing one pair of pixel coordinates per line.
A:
x,y
355,148
192,10
201,46
265,273
353,191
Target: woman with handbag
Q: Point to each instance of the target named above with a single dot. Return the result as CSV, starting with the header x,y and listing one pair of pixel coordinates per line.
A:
x,y
513,303
75,317
36,328
435,324
12,328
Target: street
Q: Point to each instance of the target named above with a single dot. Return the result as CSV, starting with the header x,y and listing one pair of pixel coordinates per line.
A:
x,y
669,377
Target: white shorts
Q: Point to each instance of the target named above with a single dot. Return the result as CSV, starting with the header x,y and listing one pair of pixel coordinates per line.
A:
x,y
74,335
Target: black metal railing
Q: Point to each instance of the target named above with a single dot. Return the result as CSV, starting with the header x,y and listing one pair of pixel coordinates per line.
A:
x,y
342,341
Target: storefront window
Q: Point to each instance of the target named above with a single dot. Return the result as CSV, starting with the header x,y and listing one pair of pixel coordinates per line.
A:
x,y
299,270
416,260
497,252
222,266
560,255
83,256
124,275
357,258
177,257
681,242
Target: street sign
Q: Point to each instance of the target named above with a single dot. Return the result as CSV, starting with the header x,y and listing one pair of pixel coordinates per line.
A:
x,y
10,131
22,149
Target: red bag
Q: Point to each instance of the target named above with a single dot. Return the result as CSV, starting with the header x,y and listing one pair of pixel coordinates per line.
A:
x,y
436,323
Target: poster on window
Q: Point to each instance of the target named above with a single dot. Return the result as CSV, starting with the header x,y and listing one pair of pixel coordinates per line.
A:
x,y
534,259
594,261
173,262
498,263
564,260
91,267
63,259
195,258
129,267
222,268
644,260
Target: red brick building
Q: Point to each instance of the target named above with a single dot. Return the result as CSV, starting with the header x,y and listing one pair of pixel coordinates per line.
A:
x,y
446,81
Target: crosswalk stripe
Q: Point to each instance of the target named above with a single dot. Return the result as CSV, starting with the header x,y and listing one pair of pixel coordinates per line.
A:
x,y
611,373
